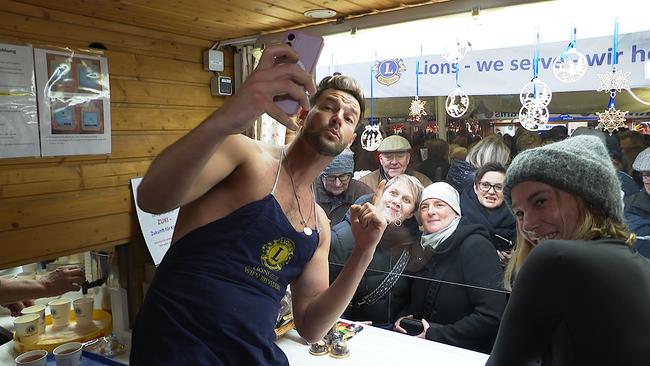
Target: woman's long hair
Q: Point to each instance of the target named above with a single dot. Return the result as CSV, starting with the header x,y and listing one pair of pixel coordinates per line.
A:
x,y
592,225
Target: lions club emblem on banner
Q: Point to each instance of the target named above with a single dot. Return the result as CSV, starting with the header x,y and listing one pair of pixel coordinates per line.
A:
x,y
388,72
277,253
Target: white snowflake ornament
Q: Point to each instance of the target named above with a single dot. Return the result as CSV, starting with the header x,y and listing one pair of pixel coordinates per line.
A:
x,y
416,110
614,80
611,120
457,103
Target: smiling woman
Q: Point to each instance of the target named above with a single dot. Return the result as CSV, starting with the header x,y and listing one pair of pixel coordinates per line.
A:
x,y
454,251
382,291
577,281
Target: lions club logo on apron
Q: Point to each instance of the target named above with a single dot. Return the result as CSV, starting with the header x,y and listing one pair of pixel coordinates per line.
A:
x,y
277,253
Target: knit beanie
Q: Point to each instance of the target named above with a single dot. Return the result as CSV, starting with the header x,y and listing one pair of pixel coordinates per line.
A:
x,y
578,165
444,192
342,163
642,161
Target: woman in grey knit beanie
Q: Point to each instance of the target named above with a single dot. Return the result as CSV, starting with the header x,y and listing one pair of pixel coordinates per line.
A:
x,y
578,284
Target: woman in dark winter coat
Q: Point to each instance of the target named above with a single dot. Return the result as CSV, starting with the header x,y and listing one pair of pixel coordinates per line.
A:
x,y
382,291
482,203
457,292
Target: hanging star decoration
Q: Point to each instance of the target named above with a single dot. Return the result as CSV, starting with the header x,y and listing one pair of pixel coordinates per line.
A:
x,y
611,120
614,80
416,110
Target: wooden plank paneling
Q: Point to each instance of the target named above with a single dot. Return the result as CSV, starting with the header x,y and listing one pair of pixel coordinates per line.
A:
x,y
72,206
143,92
67,17
56,206
196,25
50,241
143,146
42,181
32,26
165,119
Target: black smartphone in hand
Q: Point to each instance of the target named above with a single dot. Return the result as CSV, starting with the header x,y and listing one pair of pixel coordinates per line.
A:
x,y
412,326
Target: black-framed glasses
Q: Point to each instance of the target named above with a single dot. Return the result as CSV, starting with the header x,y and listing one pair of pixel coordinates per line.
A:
x,y
331,178
485,187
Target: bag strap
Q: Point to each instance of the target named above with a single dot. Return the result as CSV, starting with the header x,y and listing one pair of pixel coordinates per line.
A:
x,y
387,283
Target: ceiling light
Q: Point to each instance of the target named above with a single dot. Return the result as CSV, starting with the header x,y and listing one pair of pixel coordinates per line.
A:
x,y
320,13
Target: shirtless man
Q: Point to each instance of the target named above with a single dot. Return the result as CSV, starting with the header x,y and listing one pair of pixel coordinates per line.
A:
x,y
249,226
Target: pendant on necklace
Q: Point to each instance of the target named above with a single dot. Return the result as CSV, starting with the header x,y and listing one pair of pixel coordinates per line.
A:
x,y
307,230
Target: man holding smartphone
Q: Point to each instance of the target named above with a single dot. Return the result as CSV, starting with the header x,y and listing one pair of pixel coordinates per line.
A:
x,y
248,225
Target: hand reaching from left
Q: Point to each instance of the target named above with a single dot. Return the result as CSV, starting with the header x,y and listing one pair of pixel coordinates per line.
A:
x,y
368,221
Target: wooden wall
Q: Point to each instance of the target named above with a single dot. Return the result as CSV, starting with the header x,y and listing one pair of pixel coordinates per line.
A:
x,y
55,206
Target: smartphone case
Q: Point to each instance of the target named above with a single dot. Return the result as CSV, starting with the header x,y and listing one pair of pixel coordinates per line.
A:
x,y
308,47
412,326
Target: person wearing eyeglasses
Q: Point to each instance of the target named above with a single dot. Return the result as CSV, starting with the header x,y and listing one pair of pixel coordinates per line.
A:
x,y
483,205
335,190
637,206
394,158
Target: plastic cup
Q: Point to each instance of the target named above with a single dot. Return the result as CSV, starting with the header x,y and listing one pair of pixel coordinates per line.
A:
x,y
60,311
83,311
68,354
32,358
40,310
26,327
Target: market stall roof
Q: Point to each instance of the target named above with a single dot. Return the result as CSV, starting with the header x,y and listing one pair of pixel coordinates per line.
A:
x,y
218,20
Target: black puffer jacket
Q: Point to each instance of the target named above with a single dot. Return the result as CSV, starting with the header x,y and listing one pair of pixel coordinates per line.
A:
x,y
393,243
460,174
462,296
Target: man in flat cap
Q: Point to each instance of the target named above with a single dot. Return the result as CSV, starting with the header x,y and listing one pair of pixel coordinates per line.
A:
x,y
335,190
394,158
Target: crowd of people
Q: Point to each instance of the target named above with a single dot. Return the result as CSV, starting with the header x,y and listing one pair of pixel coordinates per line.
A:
x,y
518,247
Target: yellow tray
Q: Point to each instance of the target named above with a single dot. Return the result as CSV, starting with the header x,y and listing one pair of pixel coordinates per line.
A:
x,y
57,335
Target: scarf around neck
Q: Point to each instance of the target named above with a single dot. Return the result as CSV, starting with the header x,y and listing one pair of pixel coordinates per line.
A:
x,y
434,239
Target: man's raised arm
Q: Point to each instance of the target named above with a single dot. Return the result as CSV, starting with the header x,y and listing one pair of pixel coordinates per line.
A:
x,y
209,153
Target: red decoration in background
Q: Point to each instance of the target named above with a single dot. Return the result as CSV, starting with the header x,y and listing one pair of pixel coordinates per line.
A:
x,y
398,128
432,128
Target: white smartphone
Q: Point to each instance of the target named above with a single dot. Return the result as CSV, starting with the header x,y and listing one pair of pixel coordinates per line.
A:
x,y
308,47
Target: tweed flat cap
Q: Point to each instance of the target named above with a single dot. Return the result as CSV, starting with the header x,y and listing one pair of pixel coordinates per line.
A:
x,y
578,165
394,143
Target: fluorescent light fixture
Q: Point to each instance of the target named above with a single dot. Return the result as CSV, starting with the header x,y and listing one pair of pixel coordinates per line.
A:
x,y
320,13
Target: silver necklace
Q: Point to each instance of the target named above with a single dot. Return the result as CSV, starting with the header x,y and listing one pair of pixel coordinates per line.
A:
x,y
305,229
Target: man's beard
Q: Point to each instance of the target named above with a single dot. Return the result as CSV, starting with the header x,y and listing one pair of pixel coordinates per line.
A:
x,y
321,146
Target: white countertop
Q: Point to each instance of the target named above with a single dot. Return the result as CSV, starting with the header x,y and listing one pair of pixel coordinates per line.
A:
x,y
377,347
372,346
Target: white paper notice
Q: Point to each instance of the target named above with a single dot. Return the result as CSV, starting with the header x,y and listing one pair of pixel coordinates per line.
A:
x,y
18,116
156,229
74,103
